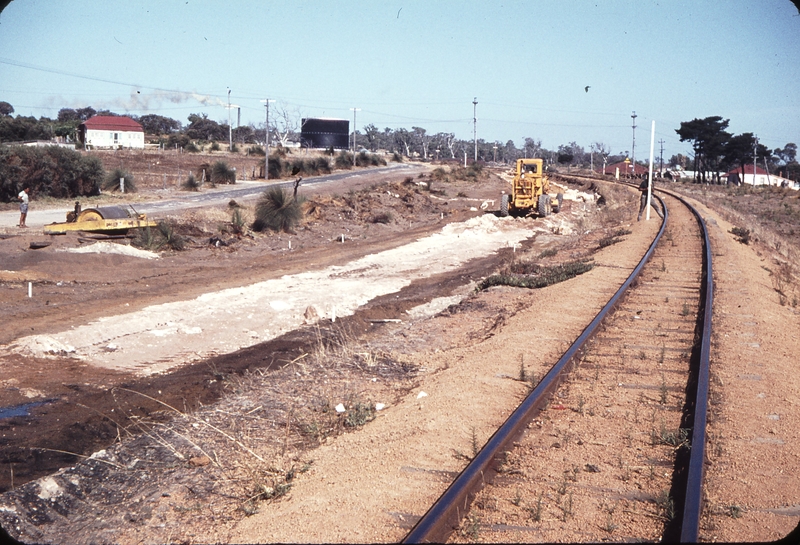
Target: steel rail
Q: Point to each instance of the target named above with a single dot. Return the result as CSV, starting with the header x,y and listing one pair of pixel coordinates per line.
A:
x,y
444,516
698,408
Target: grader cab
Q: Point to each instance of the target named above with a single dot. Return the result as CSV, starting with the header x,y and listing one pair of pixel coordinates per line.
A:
x,y
529,191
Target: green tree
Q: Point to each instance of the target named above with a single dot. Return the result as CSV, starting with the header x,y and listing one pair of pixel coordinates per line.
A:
x,y
6,108
158,124
373,136
788,154
708,137
739,151
202,128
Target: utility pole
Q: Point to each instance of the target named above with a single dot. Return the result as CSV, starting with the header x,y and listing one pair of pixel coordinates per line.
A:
x,y
633,147
475,125
755,158
266,102
354,133
230,131
661,169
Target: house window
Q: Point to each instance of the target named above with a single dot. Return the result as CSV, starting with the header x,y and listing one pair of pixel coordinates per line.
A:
x,y
116,137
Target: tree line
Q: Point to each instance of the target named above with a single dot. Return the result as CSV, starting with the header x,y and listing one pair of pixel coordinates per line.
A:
x,y
714,149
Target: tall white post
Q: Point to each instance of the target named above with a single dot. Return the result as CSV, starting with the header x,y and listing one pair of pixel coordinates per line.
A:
x,y
755,156
475,126
230,131
266,143
354,134
650,178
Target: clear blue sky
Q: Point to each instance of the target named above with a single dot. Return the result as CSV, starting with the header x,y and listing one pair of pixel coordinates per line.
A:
x,y
420,63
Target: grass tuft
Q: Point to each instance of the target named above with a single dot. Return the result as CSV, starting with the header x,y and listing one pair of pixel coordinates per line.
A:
x,y
277,210
111,183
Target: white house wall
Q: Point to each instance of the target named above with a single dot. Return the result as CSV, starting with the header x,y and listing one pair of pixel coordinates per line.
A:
x,y
114,139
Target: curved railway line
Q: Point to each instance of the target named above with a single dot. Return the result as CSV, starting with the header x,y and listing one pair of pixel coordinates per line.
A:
x,y
637,378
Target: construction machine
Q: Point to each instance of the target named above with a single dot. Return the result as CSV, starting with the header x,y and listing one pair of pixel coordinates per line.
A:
x,y
105,219
530,191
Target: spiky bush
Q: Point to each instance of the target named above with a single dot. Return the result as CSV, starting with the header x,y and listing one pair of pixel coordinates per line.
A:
x,y
344,160
111,183
237,220
163,236
191,147
221,173
364,159
256,150
397,158
190,183
170,238
277,210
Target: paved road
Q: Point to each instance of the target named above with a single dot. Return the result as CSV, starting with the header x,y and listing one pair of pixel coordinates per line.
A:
x,y
183,200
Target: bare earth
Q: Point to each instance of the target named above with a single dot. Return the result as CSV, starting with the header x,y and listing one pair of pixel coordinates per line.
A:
x,y
245,443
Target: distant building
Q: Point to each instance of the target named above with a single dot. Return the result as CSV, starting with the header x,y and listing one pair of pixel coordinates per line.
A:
x,y
626,169
319,132
111,132
761,177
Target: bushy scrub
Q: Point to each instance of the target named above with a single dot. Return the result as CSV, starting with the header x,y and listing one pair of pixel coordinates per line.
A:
x,y
49,171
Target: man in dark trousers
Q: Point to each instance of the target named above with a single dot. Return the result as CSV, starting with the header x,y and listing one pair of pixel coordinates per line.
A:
x,y
643,200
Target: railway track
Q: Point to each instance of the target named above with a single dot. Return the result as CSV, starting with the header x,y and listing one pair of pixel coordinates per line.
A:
x,y
610,444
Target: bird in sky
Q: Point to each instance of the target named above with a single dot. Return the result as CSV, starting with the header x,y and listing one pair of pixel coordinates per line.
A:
x,y
587,88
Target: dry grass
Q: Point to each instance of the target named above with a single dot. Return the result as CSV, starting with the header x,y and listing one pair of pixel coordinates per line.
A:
x,y
253,443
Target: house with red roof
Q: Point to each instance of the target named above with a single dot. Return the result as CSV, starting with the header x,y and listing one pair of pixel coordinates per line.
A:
x,y
626,169
111,132
761,177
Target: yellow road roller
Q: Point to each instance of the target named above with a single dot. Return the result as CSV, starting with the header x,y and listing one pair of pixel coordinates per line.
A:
x,y
102,219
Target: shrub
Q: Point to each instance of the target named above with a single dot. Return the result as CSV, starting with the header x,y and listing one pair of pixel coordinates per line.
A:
x,y
381,217
237,220
214,146
741,234
344,160
190,183
397,158
52,171
221,173
256,150
191,147
364,159
170,238
531,275
277,210
179,140
164,235
111,182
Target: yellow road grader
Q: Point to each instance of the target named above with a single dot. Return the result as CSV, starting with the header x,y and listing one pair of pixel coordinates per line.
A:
x,y
530,191
103,219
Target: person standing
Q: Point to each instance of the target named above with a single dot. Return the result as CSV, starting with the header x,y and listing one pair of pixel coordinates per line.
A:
x,y
23,206
643,187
